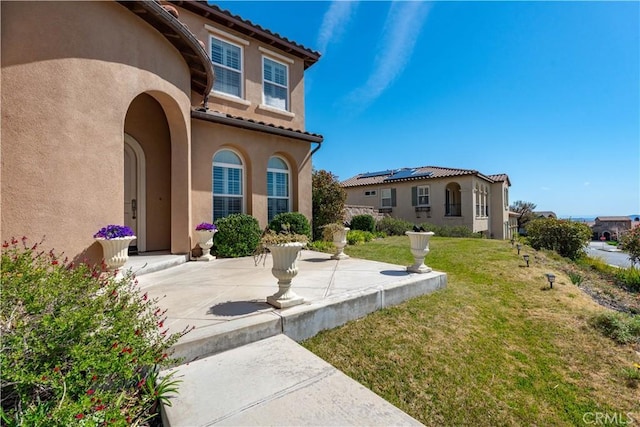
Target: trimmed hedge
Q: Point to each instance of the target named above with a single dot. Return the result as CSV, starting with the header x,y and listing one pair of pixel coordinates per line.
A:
x,y
393,226
364,223
238,235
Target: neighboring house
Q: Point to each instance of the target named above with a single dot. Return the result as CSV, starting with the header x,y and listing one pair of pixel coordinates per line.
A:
x,y
610,227
441,196
545,214
159,116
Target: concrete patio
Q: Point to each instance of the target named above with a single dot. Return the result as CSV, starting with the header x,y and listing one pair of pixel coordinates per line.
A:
x,y
225,300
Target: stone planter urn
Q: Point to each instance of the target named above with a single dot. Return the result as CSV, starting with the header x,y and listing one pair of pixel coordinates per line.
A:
x,y
115,251
285,269
340,241
205,241
419,249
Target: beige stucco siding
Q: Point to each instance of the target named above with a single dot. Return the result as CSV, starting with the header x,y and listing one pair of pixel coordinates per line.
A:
x,y
255,149
252,77
69,74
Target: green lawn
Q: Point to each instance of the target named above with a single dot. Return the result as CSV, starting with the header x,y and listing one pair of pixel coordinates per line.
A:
x,y
496,347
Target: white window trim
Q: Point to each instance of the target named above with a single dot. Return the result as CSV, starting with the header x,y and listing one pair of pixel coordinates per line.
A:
x,y
227,96
274,110
230,98
264,105
418,195
289,183
382,198
275,55
225,35
372,193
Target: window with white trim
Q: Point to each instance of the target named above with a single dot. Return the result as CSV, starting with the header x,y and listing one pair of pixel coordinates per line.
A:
x,y
228,177
278,200
369,193
275,86
423,195
227,63
385,198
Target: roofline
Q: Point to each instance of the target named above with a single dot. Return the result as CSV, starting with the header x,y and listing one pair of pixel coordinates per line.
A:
x,y
243,26
465,172
194,54
220,118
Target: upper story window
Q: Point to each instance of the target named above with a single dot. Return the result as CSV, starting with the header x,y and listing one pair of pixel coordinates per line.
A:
x,y
423,195
275,77
227,62
277,187
369,193
506,199
228,177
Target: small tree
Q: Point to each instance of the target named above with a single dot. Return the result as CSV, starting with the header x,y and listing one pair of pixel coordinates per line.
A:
x,y
328,201
567,238
630,242
524,211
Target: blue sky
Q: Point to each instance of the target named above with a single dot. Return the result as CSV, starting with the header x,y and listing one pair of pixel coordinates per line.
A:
x,y
547,92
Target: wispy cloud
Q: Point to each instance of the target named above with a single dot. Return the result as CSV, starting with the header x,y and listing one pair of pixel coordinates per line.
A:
x,y
587,183
399,35
334,23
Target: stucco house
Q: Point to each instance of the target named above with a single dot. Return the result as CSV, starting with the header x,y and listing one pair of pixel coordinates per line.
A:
x,y
610,227
438,195
156,115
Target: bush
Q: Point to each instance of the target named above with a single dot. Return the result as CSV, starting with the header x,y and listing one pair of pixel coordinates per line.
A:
x,y
629,278
322,246
630,242
620,327
298,223
328,201
449,231
567,238
78,346
393,226
356,237
364,223
238,235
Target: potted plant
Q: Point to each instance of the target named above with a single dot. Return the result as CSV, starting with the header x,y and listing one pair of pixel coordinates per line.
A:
x,y
284,248
337,233
115,240
419,249
204,233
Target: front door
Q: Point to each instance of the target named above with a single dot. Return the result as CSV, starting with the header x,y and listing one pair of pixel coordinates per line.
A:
x,y
131,193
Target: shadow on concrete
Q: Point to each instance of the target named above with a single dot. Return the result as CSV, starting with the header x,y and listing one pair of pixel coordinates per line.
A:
x,y
394,273
318,259
237,308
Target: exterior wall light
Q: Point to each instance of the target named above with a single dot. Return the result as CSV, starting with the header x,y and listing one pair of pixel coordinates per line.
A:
x,y
551,278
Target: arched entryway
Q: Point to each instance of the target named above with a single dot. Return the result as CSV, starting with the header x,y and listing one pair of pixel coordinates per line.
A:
x,y
452,197
135,205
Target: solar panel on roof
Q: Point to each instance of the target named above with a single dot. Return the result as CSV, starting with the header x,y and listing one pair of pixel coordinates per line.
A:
x,y
374,174
408,173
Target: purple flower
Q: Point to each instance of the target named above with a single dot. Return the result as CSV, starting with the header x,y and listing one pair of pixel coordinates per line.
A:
x,y
206,226
114,231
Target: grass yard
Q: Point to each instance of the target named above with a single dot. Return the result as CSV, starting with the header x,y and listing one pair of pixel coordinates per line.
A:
x,y
496,347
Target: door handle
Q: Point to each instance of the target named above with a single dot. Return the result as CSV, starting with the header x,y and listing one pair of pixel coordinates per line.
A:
x,y
134,208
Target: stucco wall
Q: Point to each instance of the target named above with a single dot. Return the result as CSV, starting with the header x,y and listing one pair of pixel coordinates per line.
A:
x,y
252,63
255,149
69,73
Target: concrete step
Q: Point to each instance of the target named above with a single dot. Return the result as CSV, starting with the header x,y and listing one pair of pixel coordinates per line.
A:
x,y
270,382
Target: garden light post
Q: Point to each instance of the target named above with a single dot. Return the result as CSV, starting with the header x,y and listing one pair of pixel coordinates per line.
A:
x,y
518,246
551,278
526,259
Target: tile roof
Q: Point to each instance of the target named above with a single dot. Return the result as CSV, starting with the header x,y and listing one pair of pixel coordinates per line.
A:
x,y
613,218
242,122
413,174
244,26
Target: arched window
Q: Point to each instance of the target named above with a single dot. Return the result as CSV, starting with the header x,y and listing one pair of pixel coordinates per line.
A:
x,y
228,177
277,187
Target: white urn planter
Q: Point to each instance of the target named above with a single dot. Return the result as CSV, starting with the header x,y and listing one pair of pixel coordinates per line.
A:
x,y
115,251
205,241
285,269
419,249
340,241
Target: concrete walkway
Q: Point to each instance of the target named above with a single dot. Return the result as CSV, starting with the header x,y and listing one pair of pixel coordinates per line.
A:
x,y
241,343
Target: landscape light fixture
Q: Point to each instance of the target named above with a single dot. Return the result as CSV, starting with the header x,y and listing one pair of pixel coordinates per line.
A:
x,y
526,259
518,246
512,241
551,278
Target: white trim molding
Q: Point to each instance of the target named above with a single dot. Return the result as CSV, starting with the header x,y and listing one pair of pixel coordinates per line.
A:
x,y
226,35
274,110
275,55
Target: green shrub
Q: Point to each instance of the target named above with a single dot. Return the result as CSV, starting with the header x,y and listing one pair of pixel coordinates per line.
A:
x,y
629,278
620,327
321,246
568,238
356,237
238,235
298,223
393,226
630,242
328,201
364,223
78,346
576,278
449,231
